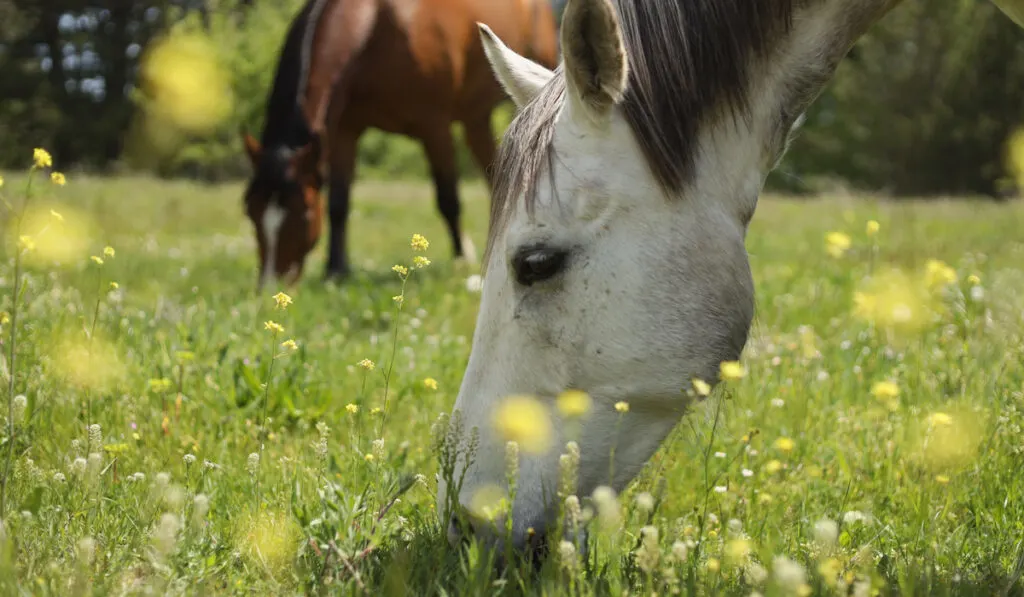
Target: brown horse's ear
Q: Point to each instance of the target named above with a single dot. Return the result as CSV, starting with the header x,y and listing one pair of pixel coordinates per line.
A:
x,y
252,147
307,158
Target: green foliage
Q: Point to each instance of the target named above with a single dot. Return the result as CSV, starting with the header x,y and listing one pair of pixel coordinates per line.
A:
x,y
923,104
186,385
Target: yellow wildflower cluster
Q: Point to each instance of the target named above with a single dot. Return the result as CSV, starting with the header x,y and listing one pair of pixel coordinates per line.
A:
x,y
272,326
281,301
419,242
41,158
731,370
573,403
837,243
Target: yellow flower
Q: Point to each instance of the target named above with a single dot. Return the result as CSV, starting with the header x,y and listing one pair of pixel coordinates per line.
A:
x,y
420,261
352,408
939,418
837,243
622,407
573,403
25,243
56,216
419,242
736,551
97,259
785,444
1,181
885,389
973,280
5,318
941,479
368,457
732,370
42,158
114,285
430,383
773,467
289,345
872,227
702,387
272,326
524,420
893,300
399,299
376,410
829,570
108,251
714,565
281,300
366,364
58,179
766,498
938,274
401,270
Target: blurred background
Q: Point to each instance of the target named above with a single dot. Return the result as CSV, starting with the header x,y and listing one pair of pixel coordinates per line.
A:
x,y
926,104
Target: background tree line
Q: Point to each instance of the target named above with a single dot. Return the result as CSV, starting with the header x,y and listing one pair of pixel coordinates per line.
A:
x,y
924,104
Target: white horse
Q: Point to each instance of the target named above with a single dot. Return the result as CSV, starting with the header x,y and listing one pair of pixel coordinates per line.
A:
x,y
615,262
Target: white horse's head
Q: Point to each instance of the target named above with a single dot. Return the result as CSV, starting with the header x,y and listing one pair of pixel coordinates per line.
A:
x,y
616,262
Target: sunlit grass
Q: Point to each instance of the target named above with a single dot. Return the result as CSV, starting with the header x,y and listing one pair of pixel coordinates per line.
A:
x,y
167,438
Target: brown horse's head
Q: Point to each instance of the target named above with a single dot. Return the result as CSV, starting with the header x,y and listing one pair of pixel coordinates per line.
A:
x,y
283,202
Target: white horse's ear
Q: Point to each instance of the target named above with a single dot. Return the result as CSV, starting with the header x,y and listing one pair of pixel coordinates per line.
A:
x,y
596,67
1013,9
521,77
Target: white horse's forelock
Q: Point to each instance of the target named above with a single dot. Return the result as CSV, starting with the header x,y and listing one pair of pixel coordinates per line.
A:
x,y
273,218
644,217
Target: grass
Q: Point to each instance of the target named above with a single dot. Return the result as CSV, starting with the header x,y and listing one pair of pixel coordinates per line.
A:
x,y
140,461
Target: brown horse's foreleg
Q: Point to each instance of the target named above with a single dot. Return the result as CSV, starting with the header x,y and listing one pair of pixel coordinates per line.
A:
x,y
343,165
440,149
480,138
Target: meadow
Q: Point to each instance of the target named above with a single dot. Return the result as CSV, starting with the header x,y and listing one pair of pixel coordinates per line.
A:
x,y
167,430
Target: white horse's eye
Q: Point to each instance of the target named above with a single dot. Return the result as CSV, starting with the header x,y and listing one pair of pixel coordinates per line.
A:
x,y
536,264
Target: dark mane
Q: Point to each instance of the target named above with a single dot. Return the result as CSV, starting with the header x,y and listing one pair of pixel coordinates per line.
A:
x,y
284,121
689,64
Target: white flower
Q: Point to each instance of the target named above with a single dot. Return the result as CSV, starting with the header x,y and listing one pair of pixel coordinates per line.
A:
x,y
719,454
189,459
20,403
854,516
78,466
474,283
788,573
747,472
679,551
826,531
645,501
59,477
778,402
253,463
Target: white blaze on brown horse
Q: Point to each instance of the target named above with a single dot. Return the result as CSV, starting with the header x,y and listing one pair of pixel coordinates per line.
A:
x,y
411,67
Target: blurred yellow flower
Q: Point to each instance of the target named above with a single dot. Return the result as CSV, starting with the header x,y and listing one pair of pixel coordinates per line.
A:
x,y
281,300
622,407
58,179
41,158
96,259
893,301
731,370
93,364
702,387
714,565
272,326
872,227
973,280
184,84
368,457
399,299
114,285
947,441
5,317
573,403
938,274
837,243
419,242
289,345
108,251
401,270
366,364
524,420
488,502
56,215
736,551
785,444
26,243
1,181
939,418
773,466
351,408
941,479
885,389
430,383
1014,156
420,261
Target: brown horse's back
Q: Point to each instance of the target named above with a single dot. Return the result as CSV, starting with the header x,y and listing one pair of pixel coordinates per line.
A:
x,y
424,61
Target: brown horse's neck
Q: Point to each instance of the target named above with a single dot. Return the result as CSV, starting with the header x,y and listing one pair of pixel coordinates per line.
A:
x,y
337,30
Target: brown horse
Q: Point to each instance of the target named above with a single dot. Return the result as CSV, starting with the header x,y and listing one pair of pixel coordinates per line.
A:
x,y
403,66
